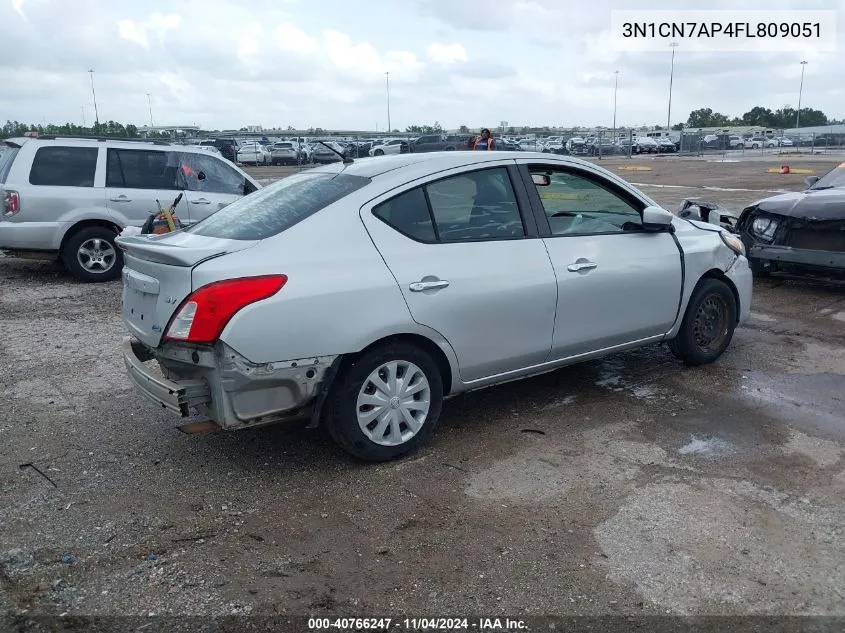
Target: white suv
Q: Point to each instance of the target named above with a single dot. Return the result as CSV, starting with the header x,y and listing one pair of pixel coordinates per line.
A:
x,y
69,197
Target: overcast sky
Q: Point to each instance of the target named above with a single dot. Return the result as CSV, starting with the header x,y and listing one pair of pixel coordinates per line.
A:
x,y
321,63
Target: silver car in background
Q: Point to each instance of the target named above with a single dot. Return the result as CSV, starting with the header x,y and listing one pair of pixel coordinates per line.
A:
x,y
360,295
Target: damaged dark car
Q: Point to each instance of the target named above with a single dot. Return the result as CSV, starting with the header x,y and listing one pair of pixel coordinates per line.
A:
x,y
801,232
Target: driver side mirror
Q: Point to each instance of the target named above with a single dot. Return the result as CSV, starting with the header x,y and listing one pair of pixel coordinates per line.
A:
x,y
811,180
201,176
657,219
541,180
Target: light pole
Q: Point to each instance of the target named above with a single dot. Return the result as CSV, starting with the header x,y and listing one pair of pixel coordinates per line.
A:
x,y
94,94
82,108
800,90
387,84
149,105
673,45
615,88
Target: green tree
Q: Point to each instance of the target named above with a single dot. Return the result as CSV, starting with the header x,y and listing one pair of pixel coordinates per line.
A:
x,y
463,129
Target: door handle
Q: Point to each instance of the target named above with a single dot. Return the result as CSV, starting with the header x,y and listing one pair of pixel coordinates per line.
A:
x,y
419,286
200,201
121,198
578,266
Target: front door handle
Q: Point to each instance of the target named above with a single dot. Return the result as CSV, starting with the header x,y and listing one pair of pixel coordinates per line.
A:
x,y
121,198
200,201
419,286
579,266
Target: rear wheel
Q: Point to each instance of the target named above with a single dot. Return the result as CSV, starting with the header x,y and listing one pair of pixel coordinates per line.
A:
x,y
708,325
379,152
91,255
386,403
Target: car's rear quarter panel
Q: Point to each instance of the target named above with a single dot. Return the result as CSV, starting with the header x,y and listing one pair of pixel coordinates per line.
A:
x,y
339,298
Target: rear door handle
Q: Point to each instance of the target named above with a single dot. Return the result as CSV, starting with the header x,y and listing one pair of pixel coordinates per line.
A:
x,y
200,201
578,266
419,286
121,198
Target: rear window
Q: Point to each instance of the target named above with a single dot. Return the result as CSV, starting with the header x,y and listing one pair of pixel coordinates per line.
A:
x,y
58,166
277,207
7,157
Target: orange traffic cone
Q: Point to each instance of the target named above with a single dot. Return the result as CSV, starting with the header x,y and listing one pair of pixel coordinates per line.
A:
x,y
784,169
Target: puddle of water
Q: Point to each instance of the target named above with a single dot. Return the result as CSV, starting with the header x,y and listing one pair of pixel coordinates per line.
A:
x,y
557,404
815,401
757,316
706,446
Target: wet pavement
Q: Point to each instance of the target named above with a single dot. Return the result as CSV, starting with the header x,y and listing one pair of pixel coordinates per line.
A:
x,y
630,485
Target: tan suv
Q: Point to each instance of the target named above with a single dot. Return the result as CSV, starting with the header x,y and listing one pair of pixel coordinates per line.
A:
x,y
67,198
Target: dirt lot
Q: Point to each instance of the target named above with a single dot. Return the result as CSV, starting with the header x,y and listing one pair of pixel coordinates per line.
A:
x,y
627,486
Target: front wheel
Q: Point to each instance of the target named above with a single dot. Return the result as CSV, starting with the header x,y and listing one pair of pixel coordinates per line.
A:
x,y
91,255
378,152
386,403
708,325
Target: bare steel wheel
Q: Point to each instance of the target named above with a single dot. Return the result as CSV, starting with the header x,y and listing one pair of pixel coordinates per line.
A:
x,y
385,403
393,403
708,325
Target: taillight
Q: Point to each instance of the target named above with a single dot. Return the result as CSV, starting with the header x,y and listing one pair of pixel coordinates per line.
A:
x,y
203,315
11,203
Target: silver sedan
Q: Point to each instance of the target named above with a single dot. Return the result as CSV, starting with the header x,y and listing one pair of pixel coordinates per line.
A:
x,y
360,295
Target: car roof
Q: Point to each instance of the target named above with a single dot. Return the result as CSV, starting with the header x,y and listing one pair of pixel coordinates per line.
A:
x,y
438,161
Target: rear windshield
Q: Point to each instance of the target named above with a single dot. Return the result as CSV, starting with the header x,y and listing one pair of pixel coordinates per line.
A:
x,y
277,207
7,156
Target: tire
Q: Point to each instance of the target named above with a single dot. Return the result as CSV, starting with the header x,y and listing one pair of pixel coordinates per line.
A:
x,y
341,416
106,259
758,268
378,152
700,340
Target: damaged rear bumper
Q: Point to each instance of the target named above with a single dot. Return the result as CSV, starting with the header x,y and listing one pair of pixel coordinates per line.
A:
x,y
222,385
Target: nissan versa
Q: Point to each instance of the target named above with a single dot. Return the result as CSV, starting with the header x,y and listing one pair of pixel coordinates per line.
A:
x,y
360,294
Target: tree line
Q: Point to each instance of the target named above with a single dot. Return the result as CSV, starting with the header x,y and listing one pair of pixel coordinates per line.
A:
x,y
758,116
107,128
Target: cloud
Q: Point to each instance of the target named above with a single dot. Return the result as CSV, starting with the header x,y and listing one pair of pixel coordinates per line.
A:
x,y
225,64
157,23
293,40
446,53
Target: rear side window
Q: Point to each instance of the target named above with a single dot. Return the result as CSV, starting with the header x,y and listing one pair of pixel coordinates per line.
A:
x,y
408,213
142,169
7,157
276,208
58,166
474,206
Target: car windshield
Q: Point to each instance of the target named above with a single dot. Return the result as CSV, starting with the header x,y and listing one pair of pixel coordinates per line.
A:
x,y
277,207
833,178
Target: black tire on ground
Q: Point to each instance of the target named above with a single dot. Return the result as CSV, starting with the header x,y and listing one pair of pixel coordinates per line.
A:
x,y
758,268
708,325
92,234
340,416
379,152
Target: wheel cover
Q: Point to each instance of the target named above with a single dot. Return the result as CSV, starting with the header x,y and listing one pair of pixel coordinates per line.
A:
x,y
393,403
710,327
96,255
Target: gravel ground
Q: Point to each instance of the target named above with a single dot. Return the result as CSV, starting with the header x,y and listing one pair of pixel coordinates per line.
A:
x,y
631,485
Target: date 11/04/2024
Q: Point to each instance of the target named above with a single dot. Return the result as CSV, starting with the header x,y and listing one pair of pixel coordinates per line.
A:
x,y
416,624
683,30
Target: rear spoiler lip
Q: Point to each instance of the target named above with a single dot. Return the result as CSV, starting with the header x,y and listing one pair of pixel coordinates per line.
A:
x,y
11,143
168,254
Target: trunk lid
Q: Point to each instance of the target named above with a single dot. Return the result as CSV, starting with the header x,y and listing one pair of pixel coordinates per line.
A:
x,y
157,277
